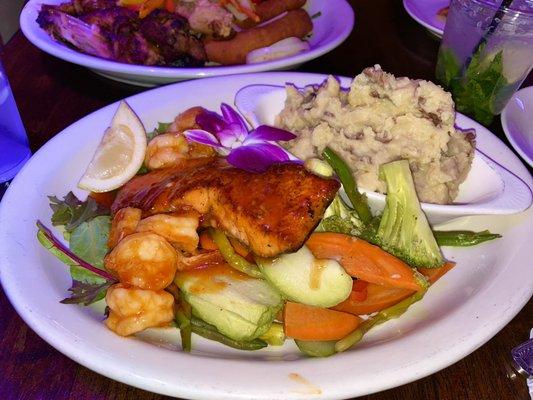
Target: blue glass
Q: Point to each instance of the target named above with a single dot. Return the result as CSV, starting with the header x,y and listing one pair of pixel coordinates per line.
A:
x,y
14,150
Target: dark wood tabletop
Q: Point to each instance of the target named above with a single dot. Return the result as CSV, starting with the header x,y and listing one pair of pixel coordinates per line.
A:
x,y
52,94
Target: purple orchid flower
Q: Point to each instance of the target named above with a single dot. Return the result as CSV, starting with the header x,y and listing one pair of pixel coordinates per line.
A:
x,y
253,151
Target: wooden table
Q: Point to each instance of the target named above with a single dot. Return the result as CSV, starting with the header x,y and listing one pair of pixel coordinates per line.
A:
x,y
52,94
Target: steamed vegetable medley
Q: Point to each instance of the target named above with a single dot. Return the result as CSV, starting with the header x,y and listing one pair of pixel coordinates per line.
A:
x,y
244,257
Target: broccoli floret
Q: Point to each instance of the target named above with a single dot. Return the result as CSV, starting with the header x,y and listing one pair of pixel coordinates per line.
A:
x,y
339,218
404,229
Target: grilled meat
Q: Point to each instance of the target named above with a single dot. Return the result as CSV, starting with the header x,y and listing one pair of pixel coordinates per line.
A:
x,y
116,33
169,31
85,6
272,212
207,17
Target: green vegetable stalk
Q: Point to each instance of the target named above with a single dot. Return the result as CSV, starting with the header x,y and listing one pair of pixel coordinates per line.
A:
x,y
358,200
232,258
210,332
384,315
183,319
275,336
463,238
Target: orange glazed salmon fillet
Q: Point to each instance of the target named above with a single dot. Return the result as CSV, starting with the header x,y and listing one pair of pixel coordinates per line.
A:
x,y
271,212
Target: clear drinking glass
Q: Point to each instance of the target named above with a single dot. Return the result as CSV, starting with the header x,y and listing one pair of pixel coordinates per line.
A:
x,y
485,54
14,150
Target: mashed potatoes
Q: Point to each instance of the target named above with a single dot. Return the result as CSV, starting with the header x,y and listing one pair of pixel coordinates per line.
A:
x,y
379,120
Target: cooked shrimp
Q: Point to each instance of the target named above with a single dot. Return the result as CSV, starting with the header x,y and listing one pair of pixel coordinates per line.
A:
x,y
186,120
179,230
124,223
132,310
166,150
172,149
144,260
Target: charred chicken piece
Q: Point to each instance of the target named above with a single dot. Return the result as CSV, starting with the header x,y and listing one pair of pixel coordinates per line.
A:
x,y
116,33
170,33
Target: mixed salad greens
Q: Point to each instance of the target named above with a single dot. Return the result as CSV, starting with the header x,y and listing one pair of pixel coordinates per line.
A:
x,y
309,295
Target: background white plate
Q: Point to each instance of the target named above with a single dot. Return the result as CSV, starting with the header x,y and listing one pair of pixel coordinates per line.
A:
x,y
517,123
330,29
488,286
425,13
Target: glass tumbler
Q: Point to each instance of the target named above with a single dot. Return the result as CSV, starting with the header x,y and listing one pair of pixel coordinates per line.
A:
x,y
485,54
14,150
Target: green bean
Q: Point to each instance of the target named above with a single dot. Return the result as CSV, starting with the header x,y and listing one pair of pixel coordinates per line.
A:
x,y
275,336
358,200
210,332
463,238
183,318
231,257
384,315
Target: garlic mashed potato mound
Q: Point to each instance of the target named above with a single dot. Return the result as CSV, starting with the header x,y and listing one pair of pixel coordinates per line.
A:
x,y
381,119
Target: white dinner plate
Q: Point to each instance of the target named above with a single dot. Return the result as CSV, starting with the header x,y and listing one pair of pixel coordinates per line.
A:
x,y
330,29
516,123
425,13
469,305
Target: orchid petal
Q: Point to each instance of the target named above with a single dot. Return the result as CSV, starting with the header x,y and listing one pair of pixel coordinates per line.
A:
x,y
203,137
233,118
229,136
268,133
257,157
211,122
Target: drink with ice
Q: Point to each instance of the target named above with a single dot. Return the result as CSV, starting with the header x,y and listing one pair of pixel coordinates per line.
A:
x,y
14,150
482,69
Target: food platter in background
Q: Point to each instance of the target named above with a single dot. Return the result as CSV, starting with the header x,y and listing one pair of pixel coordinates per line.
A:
x,y
489,285
330,28
428,14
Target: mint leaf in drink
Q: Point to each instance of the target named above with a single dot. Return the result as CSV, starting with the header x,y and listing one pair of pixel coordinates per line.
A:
x,y
448,66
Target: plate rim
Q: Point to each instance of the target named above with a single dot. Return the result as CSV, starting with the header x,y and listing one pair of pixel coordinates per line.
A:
x,y
30,29
466,346
505,125
408,6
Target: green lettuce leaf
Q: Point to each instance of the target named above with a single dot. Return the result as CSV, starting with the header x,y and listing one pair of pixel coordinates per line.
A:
x,y
161,128
71,212
89,242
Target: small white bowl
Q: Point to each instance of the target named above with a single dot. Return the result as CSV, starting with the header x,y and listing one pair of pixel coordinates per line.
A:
x,y
517,123
488,189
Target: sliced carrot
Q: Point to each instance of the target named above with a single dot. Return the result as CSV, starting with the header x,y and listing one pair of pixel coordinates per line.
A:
x,y
207,243
148,6
363,260
434,274
313,323
170,6
239,248
201,260
379,297
105,199
359,290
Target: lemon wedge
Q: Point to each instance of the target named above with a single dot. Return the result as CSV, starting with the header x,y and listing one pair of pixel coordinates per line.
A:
x,y
119,155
